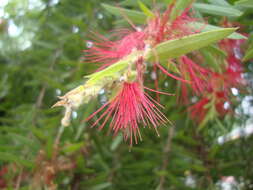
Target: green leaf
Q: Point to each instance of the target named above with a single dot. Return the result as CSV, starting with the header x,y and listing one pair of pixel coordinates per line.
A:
x,y
248,55
49,147
179,8
217,10
146,10
7,157
178,47
132,3
171,66
135,16
73,147
245,3
215,51
43,44
210,61
221,126
39,134
24,140
116,142
219,2
214,150
168,2
198,167
211,114
209,27
101,186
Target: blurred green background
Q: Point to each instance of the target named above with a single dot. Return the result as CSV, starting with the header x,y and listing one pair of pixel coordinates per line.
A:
x,y
41,43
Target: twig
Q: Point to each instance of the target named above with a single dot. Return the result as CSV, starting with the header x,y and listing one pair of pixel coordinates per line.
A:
x,y
41,96
58,136
17,185
166,156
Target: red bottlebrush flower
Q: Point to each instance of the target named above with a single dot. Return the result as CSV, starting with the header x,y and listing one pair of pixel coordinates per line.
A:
x,y
109,52
221,98
160,28
192,74
198,110
180,26
129,108
233,47
233,78
234,54
221,83
226,80
197,75
171,75
233,74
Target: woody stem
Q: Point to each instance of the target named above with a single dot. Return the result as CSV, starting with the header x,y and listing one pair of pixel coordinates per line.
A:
x,y
166,155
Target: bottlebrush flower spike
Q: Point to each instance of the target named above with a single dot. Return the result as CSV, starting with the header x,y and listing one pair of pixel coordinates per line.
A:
x,y
198,111
234,70
234,58
129,108
220,84
221,99
233,49
197,75
109,52
160,28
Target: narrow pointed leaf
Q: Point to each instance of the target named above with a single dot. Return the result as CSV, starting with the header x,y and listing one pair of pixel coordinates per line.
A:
x,y
146,10
178,47
245,3
248,55
219,2
11,157
116,142
210,60
208,27
217,10
215,51
179,7
73,147
23,140
135,16
133,3
101,186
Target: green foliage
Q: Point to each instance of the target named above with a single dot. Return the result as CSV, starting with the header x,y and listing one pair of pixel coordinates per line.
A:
x,y
146,10
249,53
136,16
217,10
245,3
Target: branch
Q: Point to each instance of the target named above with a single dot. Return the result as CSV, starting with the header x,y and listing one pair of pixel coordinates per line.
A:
x,y
41,96
166,156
